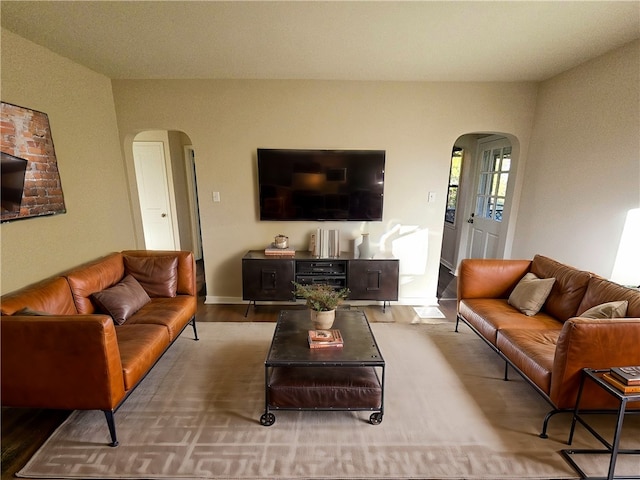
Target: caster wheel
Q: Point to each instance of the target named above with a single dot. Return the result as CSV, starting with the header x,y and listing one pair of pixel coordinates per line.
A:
x,y
375,418
267,419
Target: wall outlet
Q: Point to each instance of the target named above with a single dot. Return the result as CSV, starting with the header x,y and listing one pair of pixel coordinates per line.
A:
x,y
216,197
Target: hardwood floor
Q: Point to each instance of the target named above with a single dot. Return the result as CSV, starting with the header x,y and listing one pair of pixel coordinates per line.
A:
x,y
25,430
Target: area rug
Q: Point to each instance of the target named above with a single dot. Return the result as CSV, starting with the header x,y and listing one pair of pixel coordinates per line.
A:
x,y
448,415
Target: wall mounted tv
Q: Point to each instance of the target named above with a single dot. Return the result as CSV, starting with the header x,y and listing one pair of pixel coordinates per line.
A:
x,y
321,185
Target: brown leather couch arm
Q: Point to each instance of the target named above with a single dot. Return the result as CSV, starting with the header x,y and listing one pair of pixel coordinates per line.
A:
x,y
590,343
489,278
60,361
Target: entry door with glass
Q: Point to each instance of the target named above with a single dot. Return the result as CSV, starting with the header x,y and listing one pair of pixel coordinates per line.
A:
x,y
488,229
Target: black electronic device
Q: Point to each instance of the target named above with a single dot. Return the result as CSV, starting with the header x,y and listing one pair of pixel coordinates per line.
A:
x,y
13,172
317,185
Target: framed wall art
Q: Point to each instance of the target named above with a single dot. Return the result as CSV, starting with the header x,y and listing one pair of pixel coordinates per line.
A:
x,y
31,185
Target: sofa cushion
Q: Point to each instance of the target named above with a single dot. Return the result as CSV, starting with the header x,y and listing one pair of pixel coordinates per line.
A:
x,y
51,296
488,315
532,351
601,290
607,310
568,289
158,275
172,313
140,347
530,293
94,277
122,300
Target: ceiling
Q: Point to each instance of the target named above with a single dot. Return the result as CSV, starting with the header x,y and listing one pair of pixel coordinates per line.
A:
x,y
335,40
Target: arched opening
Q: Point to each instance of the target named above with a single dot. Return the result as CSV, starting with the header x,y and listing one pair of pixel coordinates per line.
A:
x,y
164,193
478,219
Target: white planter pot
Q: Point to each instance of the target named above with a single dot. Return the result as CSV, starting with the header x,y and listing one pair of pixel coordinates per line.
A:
x,y
323,320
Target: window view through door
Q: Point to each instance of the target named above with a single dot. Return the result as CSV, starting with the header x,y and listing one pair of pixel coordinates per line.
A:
x,y
454,184
492,187
489,220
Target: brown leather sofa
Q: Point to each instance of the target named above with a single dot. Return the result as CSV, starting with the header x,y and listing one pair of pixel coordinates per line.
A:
x,y
549,349
60,351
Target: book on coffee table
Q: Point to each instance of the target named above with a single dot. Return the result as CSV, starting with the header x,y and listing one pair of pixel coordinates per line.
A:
x,y
627,375
325,339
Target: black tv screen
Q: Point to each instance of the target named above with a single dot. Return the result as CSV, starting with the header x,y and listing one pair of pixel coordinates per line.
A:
x,y
321,184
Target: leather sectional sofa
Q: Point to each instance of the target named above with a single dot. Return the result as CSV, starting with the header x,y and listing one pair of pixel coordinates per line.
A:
x,y
85,339
550,348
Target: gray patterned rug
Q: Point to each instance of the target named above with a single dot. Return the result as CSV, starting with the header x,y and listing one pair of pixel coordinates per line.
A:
x,y
448,415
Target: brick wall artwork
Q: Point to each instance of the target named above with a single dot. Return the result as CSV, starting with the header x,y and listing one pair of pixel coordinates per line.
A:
x,y
31,185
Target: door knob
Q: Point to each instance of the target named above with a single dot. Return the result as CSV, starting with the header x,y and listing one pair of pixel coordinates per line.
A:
x,y
163,215
470,219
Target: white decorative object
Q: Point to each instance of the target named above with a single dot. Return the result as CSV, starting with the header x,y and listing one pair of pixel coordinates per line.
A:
x,y
327,243
364,248
281,241
323,320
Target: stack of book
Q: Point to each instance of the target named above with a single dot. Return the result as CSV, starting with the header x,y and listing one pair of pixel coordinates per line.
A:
x,y
326,243
625,379
274,251
325,339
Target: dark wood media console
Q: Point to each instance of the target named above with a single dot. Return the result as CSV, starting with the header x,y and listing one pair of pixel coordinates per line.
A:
x,y
268,278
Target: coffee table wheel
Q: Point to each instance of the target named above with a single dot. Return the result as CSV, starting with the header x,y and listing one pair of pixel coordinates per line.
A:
x,y
375,418
267,419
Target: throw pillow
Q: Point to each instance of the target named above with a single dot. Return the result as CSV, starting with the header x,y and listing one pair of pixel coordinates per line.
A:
x,y
607,310
122,300
530,293
158,275
26,311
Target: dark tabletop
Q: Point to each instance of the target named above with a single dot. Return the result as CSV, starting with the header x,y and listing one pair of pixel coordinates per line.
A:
x,y
290,344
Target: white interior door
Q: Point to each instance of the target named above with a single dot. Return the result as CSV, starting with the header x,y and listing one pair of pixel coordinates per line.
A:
x,y
153,192
488,220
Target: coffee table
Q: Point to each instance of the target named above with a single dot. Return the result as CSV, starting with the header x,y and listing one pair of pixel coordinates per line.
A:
x,y
346,378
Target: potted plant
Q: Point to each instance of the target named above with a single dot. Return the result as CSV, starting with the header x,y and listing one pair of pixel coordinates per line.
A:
x,y
322,300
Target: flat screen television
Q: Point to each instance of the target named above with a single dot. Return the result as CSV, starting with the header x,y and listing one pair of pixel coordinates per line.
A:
x,y
318,185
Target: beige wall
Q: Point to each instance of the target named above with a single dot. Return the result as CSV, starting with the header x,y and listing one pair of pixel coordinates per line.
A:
x,y
416,123
79,104
583,167
578,169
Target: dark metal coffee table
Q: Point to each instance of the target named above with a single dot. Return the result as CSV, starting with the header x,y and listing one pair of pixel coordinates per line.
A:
x,y
300,378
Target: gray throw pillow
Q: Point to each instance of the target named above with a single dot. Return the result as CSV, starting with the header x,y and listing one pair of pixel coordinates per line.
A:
x,y
607,310
29,312
122,300
530,293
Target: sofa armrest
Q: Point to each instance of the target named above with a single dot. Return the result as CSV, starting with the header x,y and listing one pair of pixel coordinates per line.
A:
x,y
489,278
60,361
591,343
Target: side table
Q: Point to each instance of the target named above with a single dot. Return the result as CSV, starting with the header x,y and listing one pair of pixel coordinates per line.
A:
x,y
611,448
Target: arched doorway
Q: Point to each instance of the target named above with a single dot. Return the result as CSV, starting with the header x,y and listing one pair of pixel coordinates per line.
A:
x,y
478,215
164,166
